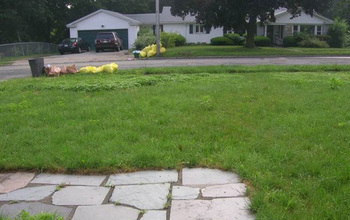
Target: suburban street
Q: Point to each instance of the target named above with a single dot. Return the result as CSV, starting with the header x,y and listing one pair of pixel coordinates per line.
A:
x,y
21,68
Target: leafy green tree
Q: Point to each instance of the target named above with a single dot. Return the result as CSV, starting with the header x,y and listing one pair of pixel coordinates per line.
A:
x,y
242,13
337,33
24,20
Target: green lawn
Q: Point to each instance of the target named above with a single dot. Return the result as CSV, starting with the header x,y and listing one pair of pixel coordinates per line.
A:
x,y
208,50
284,130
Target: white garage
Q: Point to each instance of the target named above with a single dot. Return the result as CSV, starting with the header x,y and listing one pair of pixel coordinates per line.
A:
x,y
104,20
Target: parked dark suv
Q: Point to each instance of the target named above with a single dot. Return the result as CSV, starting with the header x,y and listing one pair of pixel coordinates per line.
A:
x,y
73,45
108,40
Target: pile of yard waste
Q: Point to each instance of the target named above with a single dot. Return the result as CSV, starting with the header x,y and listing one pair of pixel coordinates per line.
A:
x,y
151,51
52,70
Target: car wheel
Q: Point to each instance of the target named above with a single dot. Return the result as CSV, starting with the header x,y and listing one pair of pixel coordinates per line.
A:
x,y
61,53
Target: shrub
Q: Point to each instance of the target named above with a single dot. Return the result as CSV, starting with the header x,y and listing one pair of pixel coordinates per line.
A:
x,y
236,39
221,41
323,37
300,36
337,33
313,43
289,41
347,42
262,41
172,39
145,38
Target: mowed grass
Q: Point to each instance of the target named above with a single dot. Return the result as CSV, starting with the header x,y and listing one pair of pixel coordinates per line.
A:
x,y
240,51
284,130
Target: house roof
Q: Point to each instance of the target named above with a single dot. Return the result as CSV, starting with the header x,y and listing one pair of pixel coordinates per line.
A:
x,y
284,11
165,17
112,13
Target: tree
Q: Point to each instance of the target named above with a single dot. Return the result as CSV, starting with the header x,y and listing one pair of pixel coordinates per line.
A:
x,y
242,13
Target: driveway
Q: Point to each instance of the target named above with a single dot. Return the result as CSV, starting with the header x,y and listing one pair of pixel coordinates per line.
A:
x,y
125,61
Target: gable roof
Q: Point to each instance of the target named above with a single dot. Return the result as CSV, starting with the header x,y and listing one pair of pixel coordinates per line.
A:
x,y
284,11
112,13
165,17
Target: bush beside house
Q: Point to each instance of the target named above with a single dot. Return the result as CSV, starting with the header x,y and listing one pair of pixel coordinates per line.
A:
x,y
172,39
222,41
337,33
145,37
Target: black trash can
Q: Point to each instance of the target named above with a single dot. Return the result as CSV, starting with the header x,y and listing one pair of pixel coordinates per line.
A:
x,y
36,66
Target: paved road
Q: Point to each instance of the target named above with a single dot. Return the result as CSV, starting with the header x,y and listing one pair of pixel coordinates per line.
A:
x,y
21,68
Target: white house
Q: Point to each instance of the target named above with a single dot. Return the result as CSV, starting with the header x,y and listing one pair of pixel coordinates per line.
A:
x,y
285,25
127,26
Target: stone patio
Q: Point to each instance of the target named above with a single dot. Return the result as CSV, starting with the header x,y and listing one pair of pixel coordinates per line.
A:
x,y
191,194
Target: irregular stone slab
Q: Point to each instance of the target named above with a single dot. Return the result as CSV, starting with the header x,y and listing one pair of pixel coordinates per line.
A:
x,y
69,179
228,190
152,196
217,209
29,194
13,181
80,195
144,177
201,176
12,210
184,192
105,212
154,215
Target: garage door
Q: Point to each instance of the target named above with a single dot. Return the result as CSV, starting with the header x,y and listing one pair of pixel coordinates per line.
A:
x,y
90,36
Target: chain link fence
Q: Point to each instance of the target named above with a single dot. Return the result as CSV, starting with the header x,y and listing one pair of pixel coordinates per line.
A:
x,y
26,48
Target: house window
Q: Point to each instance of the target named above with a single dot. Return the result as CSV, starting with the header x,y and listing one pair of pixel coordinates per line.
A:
x,y
155,28
310,29
296,28
318,30
198,29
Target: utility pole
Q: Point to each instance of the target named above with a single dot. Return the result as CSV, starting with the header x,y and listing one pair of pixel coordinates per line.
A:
x,y
157,27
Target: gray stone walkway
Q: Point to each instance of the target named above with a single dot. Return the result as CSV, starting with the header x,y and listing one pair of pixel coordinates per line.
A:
x,y
191,194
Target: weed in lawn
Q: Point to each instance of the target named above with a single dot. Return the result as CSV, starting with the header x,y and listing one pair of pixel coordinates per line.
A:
x,y
207,102
335,83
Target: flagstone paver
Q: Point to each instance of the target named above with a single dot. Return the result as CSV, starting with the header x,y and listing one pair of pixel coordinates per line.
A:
x,y
216,209
144,177
201,176
69,179
12,210
28,194
151,196
228,190
154,215
198,194
105,212
80,195
184,192
13,181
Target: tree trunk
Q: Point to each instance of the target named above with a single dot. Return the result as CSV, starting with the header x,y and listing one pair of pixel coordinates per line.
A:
x,y
251,28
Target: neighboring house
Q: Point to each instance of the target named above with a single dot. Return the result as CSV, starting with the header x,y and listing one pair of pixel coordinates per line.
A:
x,y
187,27
285,25
127,26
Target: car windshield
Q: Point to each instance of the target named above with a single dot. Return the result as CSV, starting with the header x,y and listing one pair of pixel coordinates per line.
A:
x,y
68,40
102,36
